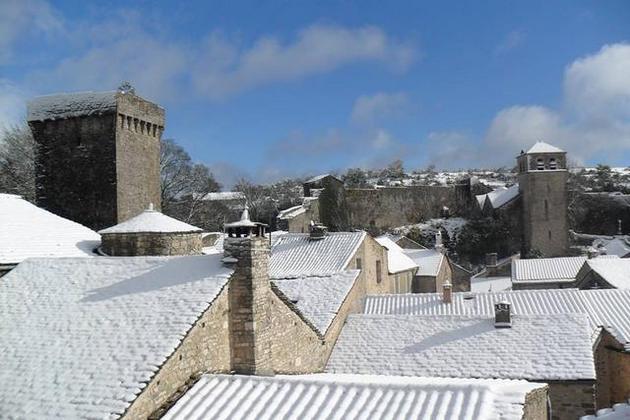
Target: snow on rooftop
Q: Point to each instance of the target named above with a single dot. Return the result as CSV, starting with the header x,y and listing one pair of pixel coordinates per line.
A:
x,y
619,245
466,347
295,255
326,396
28,231
605,308
429,261
81,337
67,105
542,270
619,411
224,195
318,298
291,212
397,260
151,221
490,284
499,197
542,147
616,271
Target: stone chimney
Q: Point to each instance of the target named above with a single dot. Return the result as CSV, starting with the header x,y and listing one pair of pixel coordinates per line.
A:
x,y
246,249
447,292
491,259
592,252
502,315
317,231
439,246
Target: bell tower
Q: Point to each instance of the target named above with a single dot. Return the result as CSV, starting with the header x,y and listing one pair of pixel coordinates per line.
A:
x,y
542,179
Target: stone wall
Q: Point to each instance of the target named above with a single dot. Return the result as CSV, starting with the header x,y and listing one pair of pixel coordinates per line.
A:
x,y
402,281
536,404
571,399
432,284
372,254
384,208
613,371
206,348
137,244
460,278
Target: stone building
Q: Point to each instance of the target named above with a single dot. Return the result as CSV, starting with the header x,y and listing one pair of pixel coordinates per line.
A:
x,y
401,268
542,180
97,155
604,273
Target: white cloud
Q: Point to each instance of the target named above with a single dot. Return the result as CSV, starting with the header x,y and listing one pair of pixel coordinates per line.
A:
x,y
12,104
19,18
368,108
224,68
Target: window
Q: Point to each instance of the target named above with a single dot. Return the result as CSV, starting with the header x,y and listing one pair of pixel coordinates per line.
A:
x,y
553,164
546,210
379,277
540,164
358,263
549,233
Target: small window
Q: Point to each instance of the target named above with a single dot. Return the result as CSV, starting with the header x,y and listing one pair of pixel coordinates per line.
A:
x,y
540,164
553,164
358,263
379,277
546,210
549,233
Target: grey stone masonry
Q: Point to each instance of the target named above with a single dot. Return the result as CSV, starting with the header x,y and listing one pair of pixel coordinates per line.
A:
x,y
249,295
151,243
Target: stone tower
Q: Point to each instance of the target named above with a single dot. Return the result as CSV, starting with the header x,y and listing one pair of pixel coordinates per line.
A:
x,y
542,178
98,155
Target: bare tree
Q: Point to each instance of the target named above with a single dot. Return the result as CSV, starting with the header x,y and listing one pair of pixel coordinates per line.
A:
x,y
17,161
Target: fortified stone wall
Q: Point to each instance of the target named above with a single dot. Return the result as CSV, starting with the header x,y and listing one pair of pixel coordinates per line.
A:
x,y
206,348
571,399
384,208
137,244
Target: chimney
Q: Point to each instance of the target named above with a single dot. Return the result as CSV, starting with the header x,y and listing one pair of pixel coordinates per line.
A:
x,y
439,246
491,259
317,231
592,252
502,315
447,292
246,249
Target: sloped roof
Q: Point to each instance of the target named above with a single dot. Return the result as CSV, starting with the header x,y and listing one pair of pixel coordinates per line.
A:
x,y
151,221
466,347
429,261
318,298
295,255
397,260
490,284
28,231
224,195
81,337
291,212
67,105
542,270
325,396
618,245
604,308
615,271
542,147
499,197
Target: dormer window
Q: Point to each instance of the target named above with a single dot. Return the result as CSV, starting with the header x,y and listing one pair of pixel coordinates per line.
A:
x,y
540,164
553,164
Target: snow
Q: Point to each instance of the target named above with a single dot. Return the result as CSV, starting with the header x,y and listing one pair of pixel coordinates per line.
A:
x,y
619,411
224,196
151,221
326,396
499,197
616,271
318,298
292,212
546,270
617,245
605,308
69,105
28,231
490,284
81,337
295,255
428,261
452,226
542,147
397,260
466,347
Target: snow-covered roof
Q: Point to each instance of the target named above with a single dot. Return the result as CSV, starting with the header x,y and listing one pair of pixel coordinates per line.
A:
x,y
81,337
67,105
535,347
542,147
291,212
618,245
326,396
490,284
224,195
295,255
28,231
397,260
605,308
616,271
499,197
619,411
151,221
320,177
429,261
545,270
318,298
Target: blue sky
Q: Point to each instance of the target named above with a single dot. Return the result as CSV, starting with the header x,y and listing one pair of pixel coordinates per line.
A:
x,y
283,88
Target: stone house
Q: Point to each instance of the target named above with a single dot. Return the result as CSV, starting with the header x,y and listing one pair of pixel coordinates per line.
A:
x,y
28,231
604,273
400,267
298,218
366,396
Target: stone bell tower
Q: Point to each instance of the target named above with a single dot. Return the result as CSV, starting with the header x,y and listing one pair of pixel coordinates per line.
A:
x,y
542,179
97,155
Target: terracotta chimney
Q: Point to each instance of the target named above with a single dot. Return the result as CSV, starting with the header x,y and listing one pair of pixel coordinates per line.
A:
x,y
447,292
502,315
